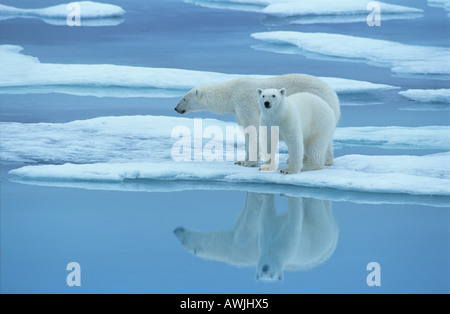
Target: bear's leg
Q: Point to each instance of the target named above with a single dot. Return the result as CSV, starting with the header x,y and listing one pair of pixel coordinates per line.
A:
x,y
296,152
246,227
269,150
251,150
316,150
250,125
329,159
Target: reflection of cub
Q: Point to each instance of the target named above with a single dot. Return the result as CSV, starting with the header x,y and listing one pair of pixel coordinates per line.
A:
x,y
302,238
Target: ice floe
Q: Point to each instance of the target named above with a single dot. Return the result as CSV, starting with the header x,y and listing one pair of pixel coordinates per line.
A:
x,y
445,4
309,12
139,147
326,11
105,139
402,59
425,137
414,175
133,153
241,5
143,138
26,74
170,186
441,96
91,13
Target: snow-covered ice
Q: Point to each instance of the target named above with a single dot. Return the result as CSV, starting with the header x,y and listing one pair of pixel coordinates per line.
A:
x,y
425,137
241,5
139,147
26,74
91,13
327,7
441,96
326,11
143,138
104,139
414,175
402,59
309,12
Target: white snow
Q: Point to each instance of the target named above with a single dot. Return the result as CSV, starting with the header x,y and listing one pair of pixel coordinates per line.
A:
x,y
415,175
327,7
344,11
143,138
425,137
241,5
403,59
138,147
105,139
308,12
428,95
26,74
91,13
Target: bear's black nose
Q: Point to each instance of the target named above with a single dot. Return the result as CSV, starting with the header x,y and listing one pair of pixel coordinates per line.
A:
x,y
267,104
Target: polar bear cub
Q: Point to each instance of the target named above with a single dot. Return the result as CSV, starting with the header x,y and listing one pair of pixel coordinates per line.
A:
x,y
305,123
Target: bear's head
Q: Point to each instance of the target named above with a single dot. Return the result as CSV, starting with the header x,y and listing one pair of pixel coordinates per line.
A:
x,y
190,102
270,98
269,267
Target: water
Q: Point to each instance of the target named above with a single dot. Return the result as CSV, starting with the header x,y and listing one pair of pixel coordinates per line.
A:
x,y
122,234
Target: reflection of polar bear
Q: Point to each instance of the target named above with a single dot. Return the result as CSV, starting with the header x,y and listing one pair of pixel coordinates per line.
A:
x,y
306,123
238,246
239,98
302,238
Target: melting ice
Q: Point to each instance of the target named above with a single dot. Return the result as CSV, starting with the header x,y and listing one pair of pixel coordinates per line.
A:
x,y
309,12
26,74
138,147
91,14
402,59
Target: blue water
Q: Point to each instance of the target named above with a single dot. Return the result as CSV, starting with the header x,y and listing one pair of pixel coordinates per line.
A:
x,y
124,241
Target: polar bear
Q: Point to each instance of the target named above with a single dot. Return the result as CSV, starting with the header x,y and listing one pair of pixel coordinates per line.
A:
x,y
238,97
305,122
299,239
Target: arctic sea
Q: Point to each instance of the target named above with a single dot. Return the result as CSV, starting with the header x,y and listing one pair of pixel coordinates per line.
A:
x,y
86,174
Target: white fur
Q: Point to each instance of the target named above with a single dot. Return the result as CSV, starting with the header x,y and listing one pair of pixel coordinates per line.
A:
x,y
239,98
306,123
302,238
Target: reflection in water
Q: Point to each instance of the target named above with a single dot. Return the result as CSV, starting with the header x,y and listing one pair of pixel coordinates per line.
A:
x,y
299,239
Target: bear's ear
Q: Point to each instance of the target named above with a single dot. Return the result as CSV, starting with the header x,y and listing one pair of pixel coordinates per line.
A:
x,y
260,91
198,92
283,91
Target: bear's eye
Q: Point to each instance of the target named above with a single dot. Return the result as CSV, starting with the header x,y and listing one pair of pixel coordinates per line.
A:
x,y
264,96
273,96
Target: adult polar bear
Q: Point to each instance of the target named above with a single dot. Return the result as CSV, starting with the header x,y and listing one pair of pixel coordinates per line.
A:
x,y
239,97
